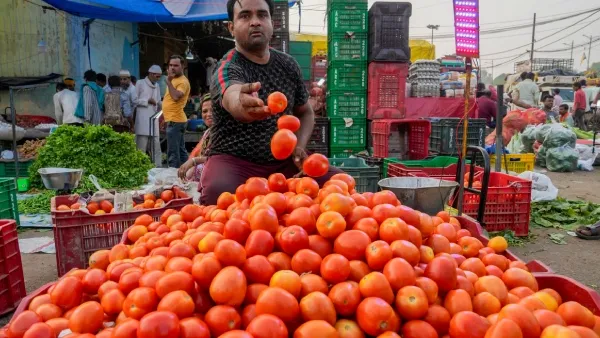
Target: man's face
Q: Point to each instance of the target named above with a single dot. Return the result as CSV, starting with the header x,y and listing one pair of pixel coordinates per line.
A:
x,y
207,113
125,81
153,77
175,67
252,27
549,103
562,110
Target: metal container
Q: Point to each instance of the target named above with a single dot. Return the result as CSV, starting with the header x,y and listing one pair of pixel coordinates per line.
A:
x,y
60,178
428,195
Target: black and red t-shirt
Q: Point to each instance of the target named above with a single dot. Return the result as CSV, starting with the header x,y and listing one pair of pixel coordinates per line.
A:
x,y
252,141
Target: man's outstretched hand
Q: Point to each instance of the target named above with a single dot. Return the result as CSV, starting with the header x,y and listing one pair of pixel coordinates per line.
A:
x,y
252,106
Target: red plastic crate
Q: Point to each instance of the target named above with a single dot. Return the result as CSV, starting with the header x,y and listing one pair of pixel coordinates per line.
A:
x,y
387,90
78,235
448,173
12,282
507,205
416,138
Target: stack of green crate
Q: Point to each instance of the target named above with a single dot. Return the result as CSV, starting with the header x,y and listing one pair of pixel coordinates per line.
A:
x,y
301,51
347,52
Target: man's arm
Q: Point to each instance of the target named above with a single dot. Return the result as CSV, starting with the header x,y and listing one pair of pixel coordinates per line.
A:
x,y
242,103
175,94
141,100
306,115
58,112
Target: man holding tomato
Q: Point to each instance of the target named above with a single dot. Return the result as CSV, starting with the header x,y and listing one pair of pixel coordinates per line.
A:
x,y
243,124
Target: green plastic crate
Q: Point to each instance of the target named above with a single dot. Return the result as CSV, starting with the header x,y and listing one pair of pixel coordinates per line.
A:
x,y
366,177
8,169
347,104
347,76
348,134
337,2
347,17
344,152
8,199
300,48
305,61
347,47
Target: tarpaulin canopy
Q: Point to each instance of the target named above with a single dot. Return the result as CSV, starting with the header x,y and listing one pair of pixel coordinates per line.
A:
x,y
146,10
417,107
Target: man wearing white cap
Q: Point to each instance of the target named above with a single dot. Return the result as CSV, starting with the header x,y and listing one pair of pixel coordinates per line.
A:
x,y
130,92
149,103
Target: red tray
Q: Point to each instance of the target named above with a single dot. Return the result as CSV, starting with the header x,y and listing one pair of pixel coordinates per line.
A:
x,y
78,234
417,137
12,282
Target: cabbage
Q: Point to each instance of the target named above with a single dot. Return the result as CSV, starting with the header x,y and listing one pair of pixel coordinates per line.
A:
x,y
562,159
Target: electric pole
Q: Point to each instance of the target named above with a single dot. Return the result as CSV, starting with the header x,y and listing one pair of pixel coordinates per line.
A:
x,y
532,42
572,45
589,56
493,72
433,27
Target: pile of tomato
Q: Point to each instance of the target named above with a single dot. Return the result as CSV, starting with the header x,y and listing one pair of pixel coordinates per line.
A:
x,y
283,258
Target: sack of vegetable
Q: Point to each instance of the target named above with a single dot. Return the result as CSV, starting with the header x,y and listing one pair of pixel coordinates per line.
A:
x,y
528,139
540,157
562,159
515,120
535,116
542,131
559,136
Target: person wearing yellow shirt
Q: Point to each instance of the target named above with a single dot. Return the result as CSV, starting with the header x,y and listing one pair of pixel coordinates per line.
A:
x,y
176,97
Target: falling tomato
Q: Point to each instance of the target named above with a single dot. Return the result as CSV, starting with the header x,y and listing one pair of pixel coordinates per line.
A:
x,y
289,122
283,144
277,102
316,165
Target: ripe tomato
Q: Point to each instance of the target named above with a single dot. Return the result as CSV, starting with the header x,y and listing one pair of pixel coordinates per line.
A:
x,y
67,293
576,314
127,328
289,122
375,316
316,328
352,244
345,297
315,165
193,328
546,318
438,317
335,268
515,277
302,217
369,226
485,304
283,144
523,317
267,326
87,318
277,102
468,324
40,330
347,328
19,325
312,283
320,245
457,300
418,329
278,302
258,269
493,285
287,280
331,224
112,302
306,261
317,306
173,281
177,302
228,287
378,254
48,311
159,324
230,253
442,271
277,183
280,261
140,302
259,242
376,285
392,229
399,273
263,217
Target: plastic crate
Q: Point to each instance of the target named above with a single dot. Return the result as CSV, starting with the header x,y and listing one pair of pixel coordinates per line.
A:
x,y
366,177
446,173
570,290
387,90
281,17
8,168
515,162
389,31
430,162
320,134
447,134
347,104
335,2
323,150
347,76
300,47
507,205
12,281
408,138
78,235
347,17
348,46
347,132
344,152
8,199
281,41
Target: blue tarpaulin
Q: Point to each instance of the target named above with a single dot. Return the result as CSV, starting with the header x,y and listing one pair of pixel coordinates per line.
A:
x,y
145,10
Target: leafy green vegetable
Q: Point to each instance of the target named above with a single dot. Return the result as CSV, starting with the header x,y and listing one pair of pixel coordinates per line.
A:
x,y
557,239
564,214
112,157
38,204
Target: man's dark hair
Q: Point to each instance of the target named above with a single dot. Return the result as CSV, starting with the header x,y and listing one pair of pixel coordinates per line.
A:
x,y
101,77
556,91
133,80
114,81
530,76
89,75
231,4
523,75
546,97
60,86
179,57
583,82
564,106
487,93
577,84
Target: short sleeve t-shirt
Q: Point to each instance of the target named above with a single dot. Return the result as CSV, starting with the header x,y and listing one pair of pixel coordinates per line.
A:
x,y
173,110
252,141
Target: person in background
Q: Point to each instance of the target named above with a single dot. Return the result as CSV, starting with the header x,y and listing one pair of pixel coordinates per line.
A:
x,y
558,100
528,92
91,100
101,81
116,105
175,100
149,103
487,108
130,93
548,102
191,170
162,82
134,80
565,116
70,83
579,106
65,103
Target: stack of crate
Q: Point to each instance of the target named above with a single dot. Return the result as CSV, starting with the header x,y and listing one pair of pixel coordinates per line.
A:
x,y
301,51
281,26
347,76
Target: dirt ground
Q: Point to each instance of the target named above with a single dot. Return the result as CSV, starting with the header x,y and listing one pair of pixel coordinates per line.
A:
x,y
577,259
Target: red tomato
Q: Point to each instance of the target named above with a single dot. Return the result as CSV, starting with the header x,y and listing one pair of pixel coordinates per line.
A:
x,y
316,165
283,144
289,122
159,324
277,102
293,239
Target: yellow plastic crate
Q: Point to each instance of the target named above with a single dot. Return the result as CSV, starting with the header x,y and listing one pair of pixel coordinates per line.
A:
x,y
515,162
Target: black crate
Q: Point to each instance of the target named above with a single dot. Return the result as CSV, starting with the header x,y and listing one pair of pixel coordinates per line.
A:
x,y
388,31
281,17
318,149
320,135
447,134
281,41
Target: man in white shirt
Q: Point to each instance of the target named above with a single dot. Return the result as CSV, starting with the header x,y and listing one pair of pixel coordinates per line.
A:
x,y
558,101
65,104
131,93
590,94
149,103
528,92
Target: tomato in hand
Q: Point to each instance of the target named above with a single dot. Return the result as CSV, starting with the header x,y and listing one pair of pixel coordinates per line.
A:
x,y
289,122
316,165
283,144
277,102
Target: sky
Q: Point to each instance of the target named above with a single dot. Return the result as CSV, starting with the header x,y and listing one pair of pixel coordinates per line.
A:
x,y
498,48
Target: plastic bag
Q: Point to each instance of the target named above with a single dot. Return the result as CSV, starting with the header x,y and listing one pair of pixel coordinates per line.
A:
x,y
535,116
542,131
101,194
515,120
515,145
559,136
587,157
528,139
542,188
562,159
540,157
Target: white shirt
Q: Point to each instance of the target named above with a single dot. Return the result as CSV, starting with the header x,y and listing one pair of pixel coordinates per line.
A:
x,y
65,104
528,92
131,93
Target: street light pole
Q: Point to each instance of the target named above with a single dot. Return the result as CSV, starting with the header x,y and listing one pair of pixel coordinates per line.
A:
x,y
433,27
589,56
572,45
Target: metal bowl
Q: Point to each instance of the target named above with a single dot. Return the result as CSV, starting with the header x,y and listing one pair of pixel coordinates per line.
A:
x,y
60,178
428,195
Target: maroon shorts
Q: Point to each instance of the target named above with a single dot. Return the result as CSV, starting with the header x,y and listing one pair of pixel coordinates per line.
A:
x,y
224,173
